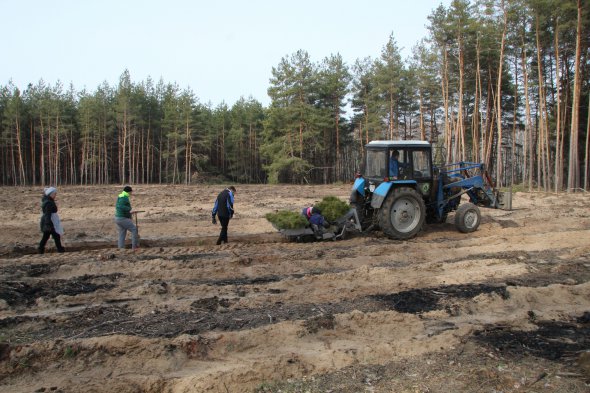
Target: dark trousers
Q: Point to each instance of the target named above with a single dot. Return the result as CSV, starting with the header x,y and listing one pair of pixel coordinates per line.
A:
x,y
56,239
224,221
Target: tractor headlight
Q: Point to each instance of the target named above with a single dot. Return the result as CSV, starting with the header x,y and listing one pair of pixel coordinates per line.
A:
x,y
372,187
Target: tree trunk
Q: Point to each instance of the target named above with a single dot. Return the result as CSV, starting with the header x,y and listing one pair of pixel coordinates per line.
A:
x,y
391,117
42,132
460,133
421,124
33,153
21,164
573,179
188,152
528,139
57,153
337,118
476,116
514,121
558,124
542,159
445,94
123,162
499,166
586,163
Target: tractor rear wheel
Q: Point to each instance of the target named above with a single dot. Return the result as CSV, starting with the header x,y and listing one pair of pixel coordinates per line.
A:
x,y
467,218
402,214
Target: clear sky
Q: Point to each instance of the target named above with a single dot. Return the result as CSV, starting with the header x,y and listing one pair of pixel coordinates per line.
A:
x,y
222,50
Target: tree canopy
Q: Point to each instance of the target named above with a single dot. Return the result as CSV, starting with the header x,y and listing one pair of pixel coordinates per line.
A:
x,y
500,82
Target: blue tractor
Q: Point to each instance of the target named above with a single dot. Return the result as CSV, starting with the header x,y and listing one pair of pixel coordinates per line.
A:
x,y
400,189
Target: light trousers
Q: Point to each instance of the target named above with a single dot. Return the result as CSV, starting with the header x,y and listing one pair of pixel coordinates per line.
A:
x,y
124,225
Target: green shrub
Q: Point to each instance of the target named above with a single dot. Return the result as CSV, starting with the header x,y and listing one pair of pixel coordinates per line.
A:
x,y
285,219
332,208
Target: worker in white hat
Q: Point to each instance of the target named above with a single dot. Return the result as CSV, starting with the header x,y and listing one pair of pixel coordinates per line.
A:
x,y
50,222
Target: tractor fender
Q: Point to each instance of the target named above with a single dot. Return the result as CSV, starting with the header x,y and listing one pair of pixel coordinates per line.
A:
x,y
384,188
358,186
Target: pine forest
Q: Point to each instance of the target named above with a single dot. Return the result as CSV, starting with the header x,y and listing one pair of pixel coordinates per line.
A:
x,y
501,82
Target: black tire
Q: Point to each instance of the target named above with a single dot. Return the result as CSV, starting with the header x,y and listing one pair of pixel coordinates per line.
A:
x,y
402,214
467,218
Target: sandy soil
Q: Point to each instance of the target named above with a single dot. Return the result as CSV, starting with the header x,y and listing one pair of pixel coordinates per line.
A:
x,y
504,309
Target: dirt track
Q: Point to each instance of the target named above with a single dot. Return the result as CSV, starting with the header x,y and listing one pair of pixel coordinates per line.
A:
x,y
506,308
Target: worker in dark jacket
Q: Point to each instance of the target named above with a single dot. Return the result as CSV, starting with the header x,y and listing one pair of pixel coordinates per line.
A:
x,y
224,210
50,222
317,219
314,216
123,219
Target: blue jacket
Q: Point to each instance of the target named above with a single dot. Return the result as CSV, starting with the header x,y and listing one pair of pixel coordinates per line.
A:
x,y
393,167
317,219
224,204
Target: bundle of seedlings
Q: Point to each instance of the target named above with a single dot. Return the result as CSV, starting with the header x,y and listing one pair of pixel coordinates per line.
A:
x,y
284,219
332,208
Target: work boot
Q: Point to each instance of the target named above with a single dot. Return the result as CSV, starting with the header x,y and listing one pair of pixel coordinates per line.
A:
x,y
41,250
218,241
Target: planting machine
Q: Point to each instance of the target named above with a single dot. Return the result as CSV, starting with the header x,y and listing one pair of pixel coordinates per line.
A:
x,y
399,197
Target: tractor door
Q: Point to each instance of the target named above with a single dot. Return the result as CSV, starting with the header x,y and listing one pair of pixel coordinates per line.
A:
x,y
412,164
422,171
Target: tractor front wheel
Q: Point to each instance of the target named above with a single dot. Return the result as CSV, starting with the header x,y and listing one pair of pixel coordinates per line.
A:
x,y
467,218
402,214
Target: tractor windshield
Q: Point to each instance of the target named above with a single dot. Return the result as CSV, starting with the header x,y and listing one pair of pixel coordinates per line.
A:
x,y
376,163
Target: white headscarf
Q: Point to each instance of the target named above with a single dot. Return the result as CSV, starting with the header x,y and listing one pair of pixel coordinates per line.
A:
x,y
49,190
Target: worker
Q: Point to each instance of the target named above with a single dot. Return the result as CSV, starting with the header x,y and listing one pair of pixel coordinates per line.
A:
x,y
395,165
123,219
314,216
224,210
316,220
50,222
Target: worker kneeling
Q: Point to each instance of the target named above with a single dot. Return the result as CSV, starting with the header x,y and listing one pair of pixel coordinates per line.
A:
x,y
317,222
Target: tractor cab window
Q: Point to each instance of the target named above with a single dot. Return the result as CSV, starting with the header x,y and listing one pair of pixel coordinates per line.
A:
x,y
421,161
399,164
376,163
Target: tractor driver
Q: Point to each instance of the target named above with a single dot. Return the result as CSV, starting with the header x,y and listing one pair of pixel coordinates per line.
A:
x,y
394,165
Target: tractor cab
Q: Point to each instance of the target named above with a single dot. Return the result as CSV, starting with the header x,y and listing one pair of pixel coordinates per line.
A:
x,y
401,162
